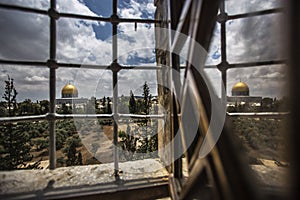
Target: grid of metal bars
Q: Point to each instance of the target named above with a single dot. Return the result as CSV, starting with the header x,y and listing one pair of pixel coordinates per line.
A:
x,y
53,65
222,18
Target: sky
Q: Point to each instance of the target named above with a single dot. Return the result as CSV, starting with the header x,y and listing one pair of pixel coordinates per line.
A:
x,y
25,36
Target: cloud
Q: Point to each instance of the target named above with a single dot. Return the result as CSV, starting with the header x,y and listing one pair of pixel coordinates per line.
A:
x,y
26,36
36,79
249,40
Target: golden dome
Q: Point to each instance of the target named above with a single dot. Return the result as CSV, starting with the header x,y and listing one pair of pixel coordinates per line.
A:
x,y
240,89
69,90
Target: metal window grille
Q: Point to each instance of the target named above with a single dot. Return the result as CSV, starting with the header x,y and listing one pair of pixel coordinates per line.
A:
x,y
196,8
53,65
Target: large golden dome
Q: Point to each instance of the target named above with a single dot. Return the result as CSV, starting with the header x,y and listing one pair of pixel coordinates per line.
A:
x,y
240,89
69,90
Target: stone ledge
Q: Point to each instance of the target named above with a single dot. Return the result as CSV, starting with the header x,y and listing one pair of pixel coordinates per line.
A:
x,y
24,181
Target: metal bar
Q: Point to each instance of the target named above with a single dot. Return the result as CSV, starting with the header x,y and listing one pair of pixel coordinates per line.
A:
x,y
224,81
22,118
86,17
24,9
141,116
146,67
31,63
115,110
77,116
83,116
78,16
115,89
260,114
52,85
74,65
255,64
257,13
223,48
108,19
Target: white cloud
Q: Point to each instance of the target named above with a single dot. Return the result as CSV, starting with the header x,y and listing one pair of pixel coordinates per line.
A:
x,y
26,36
36,78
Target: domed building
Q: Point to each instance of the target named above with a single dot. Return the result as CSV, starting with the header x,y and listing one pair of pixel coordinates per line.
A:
x,y
69,91
69,96
240,89
240,95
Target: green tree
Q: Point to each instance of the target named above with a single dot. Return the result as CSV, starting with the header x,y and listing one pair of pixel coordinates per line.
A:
x,y
146,99
132,103
128,142
16,147
10,96
13,138
71,154
44,106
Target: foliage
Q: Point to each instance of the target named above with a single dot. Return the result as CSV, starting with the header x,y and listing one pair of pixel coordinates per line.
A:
x,y
146,99
128,143
132,103
10,96
73,157
261,135
16,148
140,141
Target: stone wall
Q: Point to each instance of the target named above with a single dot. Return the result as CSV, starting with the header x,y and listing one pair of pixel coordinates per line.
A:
x,y
163,79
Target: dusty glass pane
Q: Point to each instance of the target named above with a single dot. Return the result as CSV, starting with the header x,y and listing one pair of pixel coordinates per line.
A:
x,y
214,78
255,39
101,8
78,42
30,82
136,46
136,9
265,81
234,7
89,82
214,52
24,36
135,79
40,4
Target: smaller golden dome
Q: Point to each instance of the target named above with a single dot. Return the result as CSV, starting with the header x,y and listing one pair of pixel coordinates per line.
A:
x,y
69,90
240,89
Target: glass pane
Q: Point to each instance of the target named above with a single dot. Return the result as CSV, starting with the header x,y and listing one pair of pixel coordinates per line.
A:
x,y
89,82
84,42
30,82
215,79
24,36
135,79
264,81
234,7
255,39
40,4
136,9
86,7
136,47
214,52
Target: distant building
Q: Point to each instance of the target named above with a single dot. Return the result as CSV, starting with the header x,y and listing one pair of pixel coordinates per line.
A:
x,y
69,97
241,96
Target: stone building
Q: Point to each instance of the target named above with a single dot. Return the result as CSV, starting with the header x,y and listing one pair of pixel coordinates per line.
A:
x,y
69,96
240,95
